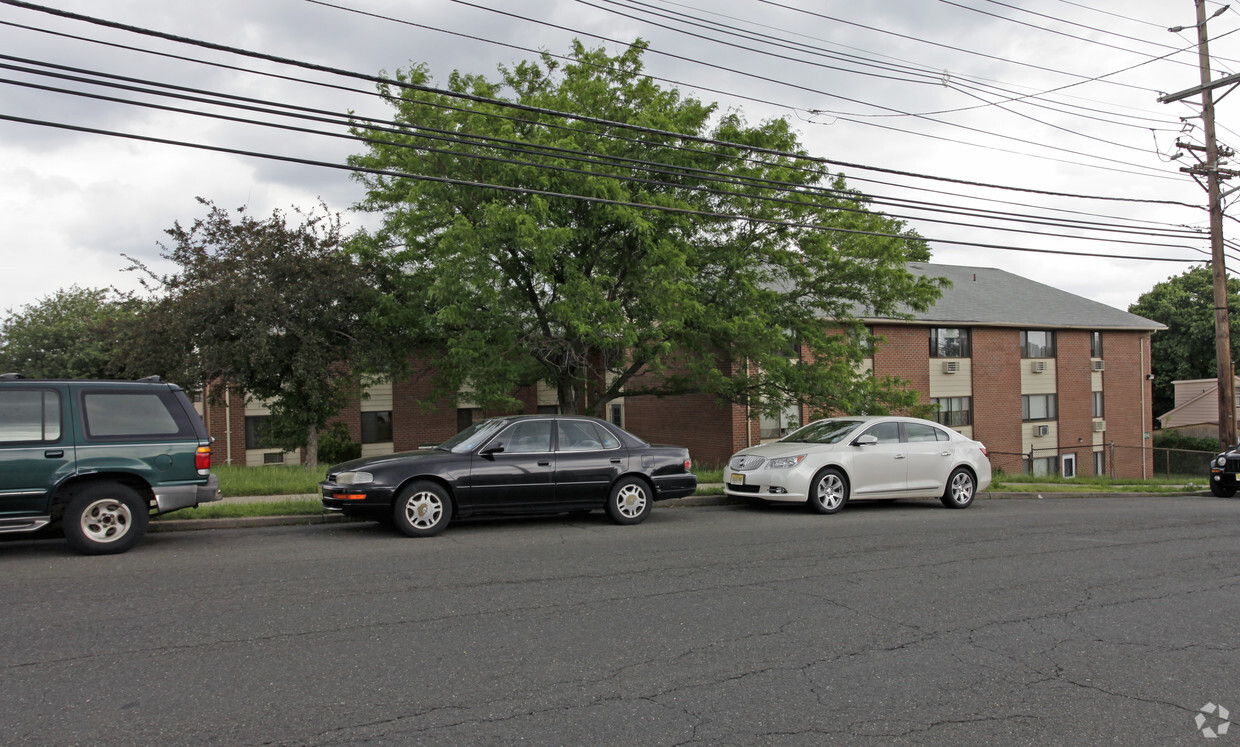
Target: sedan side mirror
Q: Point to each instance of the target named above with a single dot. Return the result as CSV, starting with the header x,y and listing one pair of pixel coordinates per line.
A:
x,y
866,440
494,448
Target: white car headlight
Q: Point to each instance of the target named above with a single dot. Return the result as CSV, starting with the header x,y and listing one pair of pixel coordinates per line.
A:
x,y
1221,461
785,462
354,478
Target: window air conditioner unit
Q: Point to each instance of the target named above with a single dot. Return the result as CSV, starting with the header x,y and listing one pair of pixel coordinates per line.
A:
x,y
1042,430
1100,426
950,367
1099,366
1038,366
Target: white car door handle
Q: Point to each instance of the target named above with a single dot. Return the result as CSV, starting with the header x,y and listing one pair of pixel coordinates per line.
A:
x,y
899,456
945,453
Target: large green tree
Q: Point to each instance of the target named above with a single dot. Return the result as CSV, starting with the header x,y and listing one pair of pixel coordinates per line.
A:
x,y
273,307
675,264
74,333
1185,350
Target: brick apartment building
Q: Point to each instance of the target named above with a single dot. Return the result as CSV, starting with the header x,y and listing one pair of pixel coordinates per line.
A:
x,y
1049,381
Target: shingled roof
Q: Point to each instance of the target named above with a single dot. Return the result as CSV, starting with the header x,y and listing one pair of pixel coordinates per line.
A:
x,y
989,297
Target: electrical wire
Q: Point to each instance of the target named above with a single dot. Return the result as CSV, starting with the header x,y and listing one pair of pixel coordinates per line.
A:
x,y
581,198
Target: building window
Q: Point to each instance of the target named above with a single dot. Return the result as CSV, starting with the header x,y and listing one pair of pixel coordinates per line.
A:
x,y
467,416
953,411
1099,412
1100,463
616,414
1038,407
254,427
1041,466
1095,344
377,427
777,426
1037,343
946,342
548,410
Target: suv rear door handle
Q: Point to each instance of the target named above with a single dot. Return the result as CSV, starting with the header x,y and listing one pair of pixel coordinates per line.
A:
x,y
54,453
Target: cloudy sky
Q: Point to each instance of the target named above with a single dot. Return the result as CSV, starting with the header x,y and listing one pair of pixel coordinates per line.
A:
x,y
995,125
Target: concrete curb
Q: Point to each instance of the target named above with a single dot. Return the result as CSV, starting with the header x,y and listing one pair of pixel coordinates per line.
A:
x,y
695,501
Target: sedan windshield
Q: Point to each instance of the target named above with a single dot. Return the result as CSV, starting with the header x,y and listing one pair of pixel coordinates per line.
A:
x,y
473,436
823,432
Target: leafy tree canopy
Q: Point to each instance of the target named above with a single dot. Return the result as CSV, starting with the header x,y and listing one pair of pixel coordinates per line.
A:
x,y
275,308
677,265
71,334
1185,350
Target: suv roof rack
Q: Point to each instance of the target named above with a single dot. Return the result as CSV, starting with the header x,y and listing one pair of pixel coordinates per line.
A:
x,y
11,376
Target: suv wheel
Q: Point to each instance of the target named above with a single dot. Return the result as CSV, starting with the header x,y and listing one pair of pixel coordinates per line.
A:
x,y
105,518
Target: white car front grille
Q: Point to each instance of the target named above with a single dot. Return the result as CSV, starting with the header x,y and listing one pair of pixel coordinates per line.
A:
x,y
746,462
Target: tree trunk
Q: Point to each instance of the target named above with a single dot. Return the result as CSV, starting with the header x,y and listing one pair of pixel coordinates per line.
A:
x,y
312,447
566,392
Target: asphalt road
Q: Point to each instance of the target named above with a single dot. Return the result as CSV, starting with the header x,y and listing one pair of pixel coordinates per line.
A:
x,y
1026,621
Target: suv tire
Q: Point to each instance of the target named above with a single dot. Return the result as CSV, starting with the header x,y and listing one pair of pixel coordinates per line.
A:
x,y
105,518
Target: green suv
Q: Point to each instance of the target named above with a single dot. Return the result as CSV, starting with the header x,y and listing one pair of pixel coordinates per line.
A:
x,y
98,457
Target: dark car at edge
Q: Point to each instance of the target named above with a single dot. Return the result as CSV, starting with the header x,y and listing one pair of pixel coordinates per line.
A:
x,y
1225,473
526,464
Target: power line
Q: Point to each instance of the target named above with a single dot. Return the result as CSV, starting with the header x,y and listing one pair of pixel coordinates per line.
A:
x,y
539,110
582,198
525,148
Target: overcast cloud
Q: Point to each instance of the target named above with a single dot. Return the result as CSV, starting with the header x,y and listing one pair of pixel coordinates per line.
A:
x,y
73,203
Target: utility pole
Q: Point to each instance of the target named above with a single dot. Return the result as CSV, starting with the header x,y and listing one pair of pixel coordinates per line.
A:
x,y
1210,169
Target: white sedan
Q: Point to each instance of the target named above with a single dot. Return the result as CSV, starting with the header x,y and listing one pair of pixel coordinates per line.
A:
x,y
830,462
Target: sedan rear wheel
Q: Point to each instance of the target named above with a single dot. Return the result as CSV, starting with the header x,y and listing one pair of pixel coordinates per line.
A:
x,y
828,491
961,487
422,510
630,501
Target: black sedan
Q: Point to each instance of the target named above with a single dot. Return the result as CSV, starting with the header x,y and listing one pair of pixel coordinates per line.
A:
x,y
515,465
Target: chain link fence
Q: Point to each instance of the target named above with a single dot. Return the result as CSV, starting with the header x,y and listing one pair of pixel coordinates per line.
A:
x,y
1110,460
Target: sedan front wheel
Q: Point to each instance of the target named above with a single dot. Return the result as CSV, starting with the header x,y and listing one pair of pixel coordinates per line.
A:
x,y
829,491
422,510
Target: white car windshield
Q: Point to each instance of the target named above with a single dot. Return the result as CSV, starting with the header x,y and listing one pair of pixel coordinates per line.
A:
x,y
823,432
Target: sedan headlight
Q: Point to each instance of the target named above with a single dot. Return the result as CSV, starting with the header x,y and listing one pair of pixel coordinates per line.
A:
x,y
785,462
1221,461
354,478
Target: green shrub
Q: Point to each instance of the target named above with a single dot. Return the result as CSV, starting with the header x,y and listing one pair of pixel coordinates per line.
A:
x,y
1173,440
336,445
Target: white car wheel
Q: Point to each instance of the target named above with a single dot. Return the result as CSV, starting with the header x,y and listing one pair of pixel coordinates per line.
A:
x,y
828,491
961,488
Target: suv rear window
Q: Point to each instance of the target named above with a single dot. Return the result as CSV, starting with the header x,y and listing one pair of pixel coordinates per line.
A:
x,y
124,415
29,415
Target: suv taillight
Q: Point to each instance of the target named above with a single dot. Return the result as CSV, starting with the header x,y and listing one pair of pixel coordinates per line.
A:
x,y
202,459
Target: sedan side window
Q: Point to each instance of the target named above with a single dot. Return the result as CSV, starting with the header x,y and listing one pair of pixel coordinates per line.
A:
x,y
578,436
886,433
528,437
917,432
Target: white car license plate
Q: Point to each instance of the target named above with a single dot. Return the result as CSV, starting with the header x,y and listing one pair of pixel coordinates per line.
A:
x,y
736,479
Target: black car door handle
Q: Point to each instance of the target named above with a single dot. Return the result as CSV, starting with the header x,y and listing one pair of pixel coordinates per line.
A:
x,y
615,461
544,464
55,454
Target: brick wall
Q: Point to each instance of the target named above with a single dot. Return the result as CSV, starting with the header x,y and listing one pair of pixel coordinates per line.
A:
x,y
996,395
1127,395
710,429
228,429
1073,380
905,355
